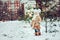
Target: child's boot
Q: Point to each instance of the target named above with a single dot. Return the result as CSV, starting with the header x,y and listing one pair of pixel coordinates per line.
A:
x,y
35,33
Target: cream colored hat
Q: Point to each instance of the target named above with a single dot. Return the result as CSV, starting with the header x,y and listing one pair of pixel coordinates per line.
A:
x,y
37,10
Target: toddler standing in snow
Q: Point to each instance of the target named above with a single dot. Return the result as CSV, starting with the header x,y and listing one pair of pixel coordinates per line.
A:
x,y
36,22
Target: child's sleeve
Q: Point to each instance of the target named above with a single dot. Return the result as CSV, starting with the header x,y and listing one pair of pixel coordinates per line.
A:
x,y
39,19
32,24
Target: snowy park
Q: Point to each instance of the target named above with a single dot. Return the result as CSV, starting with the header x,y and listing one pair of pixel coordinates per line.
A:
x,y
21,30
16,17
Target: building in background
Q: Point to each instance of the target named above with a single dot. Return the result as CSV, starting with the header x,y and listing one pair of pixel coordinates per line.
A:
x,y
10,9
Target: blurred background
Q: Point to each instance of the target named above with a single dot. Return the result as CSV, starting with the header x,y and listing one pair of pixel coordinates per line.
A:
x,y
21,10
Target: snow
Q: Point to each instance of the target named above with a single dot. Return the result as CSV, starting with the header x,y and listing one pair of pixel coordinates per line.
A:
x,y
20,30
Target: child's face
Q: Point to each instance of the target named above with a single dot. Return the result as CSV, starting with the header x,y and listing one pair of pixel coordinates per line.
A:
x,y
36,13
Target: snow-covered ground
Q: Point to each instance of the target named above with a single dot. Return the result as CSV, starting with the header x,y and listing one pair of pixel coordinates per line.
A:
x,y
20,30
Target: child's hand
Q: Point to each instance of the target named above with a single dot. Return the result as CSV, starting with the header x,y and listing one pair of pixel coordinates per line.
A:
x,y
33,28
